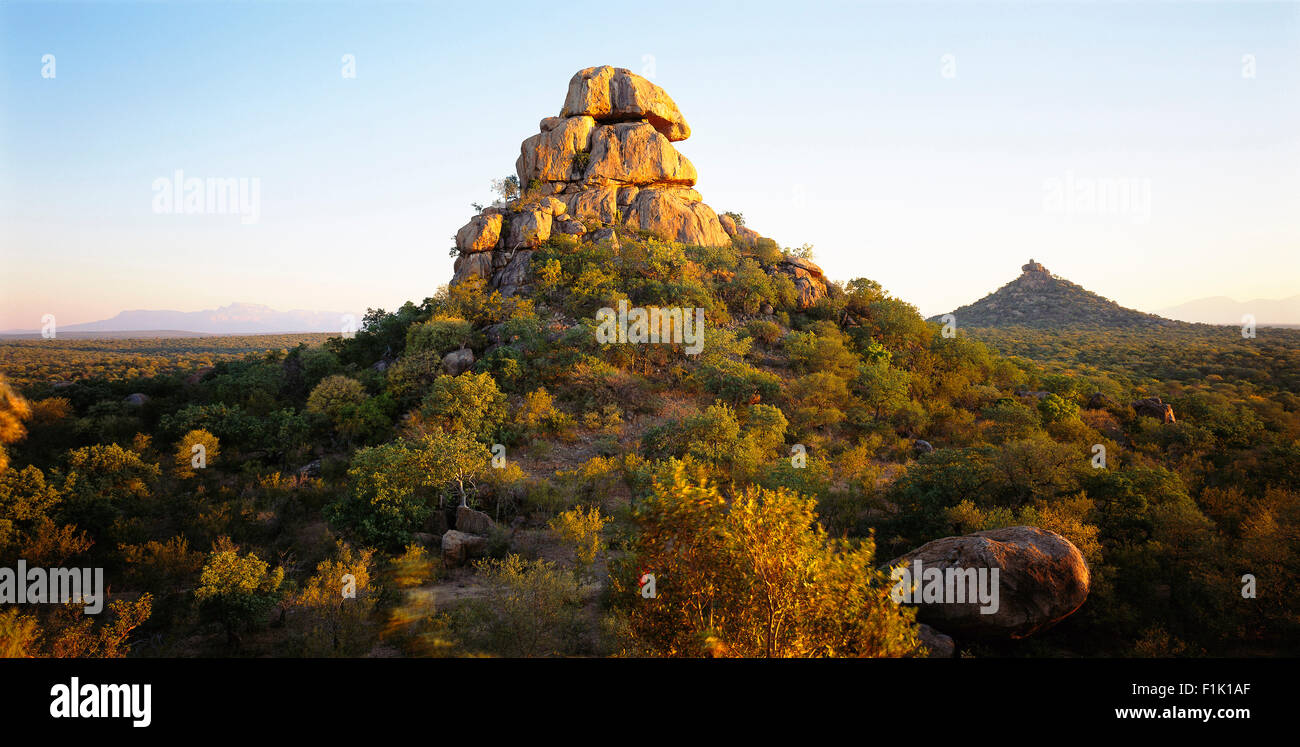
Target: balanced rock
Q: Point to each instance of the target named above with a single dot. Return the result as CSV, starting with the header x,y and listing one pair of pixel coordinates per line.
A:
x,y
605,165
1042,579
616,94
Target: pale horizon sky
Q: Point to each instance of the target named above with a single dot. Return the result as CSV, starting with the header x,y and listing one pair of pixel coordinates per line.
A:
x,y
924,146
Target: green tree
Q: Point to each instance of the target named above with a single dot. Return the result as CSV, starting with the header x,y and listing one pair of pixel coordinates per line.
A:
x,y
236,590
882,387
391,486
470,402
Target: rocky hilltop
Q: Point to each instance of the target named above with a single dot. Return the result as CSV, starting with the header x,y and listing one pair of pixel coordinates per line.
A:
x,y
605,165
1040,299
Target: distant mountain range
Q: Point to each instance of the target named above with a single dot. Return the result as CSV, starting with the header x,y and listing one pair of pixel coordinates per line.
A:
x,y
234,319
1040,299
1224,310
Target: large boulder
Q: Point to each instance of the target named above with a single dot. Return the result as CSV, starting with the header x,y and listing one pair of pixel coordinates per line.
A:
x,y
809,281
553,155
636,153
511,278
1042,579
938,645
459,547
480,234
676,214
529,228
617,94
473,522
746,237
458,362
1153,407
595,205
478,264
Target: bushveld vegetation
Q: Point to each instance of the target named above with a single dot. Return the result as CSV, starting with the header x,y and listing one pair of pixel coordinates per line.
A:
x,y
763,481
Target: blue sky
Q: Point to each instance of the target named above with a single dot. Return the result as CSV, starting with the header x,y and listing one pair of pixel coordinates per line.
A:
x,y
913,144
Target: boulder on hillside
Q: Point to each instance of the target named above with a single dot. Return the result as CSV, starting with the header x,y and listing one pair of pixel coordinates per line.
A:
x,y
529,228
676,214
481,233
478,264
473,522
1042,579
137,399
310,469
809,282
746,237
938,645
458,362
1152,407
459,547
512,277
635,153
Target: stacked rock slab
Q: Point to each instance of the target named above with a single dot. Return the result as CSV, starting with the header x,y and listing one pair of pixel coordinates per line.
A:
x,y
606,164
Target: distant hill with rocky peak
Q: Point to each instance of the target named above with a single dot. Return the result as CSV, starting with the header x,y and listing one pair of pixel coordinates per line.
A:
x,y
1040,299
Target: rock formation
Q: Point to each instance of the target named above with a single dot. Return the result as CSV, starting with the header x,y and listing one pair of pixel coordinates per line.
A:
x,y
1040,299
1153,407
469,539
1042,579
606,165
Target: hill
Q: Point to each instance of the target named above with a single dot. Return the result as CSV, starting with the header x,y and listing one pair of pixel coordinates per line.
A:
x,y
1268,312
231,319
1042,300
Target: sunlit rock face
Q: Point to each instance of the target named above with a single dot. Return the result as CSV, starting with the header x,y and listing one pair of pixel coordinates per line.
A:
x,y
607,164
1042,579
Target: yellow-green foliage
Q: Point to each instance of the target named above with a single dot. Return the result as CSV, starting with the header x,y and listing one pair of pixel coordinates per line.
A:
x,y
470,402
439,335
581,530
13,410
334,606
237,589
755,576
188,459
